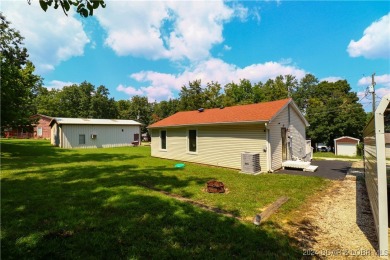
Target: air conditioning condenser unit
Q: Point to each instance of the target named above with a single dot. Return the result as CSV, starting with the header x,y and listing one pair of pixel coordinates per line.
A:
x,y
250,163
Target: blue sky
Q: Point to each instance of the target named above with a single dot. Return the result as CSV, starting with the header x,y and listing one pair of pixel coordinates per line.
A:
x,y
152,48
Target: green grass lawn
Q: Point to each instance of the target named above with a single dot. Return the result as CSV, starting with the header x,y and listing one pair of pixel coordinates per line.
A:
x,y
332,155
92,203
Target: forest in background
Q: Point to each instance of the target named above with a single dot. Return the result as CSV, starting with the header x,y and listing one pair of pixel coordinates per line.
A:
x,y
331,108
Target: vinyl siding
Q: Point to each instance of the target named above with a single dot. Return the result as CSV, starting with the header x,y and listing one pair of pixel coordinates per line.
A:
x,y
107,135
275,138
216,145
298,132
296,145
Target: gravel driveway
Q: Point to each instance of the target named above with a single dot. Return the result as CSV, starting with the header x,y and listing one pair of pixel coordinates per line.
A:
x,y
338,222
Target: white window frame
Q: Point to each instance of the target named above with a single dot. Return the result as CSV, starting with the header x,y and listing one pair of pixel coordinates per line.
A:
x,y
188,140
39,131
166,141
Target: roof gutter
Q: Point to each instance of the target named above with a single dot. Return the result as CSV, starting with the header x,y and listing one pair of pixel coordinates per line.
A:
x,y
212,123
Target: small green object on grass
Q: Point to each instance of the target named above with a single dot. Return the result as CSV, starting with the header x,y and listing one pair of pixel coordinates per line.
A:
x,y
179,165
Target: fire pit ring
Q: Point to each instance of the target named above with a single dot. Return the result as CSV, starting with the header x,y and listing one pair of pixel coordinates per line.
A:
x,y
214,186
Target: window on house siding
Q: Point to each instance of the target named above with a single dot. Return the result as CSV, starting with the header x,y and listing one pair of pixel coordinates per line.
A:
x,y
163,136
82,139
39,132
192,140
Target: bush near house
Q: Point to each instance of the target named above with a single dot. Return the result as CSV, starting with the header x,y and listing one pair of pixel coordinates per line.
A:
x,y
93,203
360,149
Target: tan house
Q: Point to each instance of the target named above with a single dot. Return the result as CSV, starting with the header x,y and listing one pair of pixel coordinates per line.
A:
x,y
94,133
276,131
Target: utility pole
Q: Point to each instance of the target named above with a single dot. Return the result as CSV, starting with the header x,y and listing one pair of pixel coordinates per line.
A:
x,y
372,91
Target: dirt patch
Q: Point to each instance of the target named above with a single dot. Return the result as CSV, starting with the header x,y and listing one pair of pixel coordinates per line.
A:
x,y
337,223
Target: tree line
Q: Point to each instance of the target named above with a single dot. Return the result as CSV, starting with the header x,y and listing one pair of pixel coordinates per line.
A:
x,y
331,108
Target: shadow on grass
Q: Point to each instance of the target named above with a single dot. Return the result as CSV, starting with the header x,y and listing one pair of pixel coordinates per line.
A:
x,y
109,217
41,153
103,212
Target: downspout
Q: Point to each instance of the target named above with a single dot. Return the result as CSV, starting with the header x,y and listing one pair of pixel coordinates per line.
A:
x,y
289,134
268,154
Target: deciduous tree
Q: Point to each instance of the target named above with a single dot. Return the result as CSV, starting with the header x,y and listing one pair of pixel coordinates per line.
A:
x,y
84,7
192,97
141,111
101,105
18,81
333,111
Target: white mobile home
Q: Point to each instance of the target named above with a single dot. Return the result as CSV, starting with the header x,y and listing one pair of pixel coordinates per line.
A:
x,y
94,133
275,130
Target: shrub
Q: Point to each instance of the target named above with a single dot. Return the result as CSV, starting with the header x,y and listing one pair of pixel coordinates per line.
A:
x,y
359,149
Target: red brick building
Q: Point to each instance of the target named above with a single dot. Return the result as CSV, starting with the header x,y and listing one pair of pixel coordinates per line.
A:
x,y
41,125
21,131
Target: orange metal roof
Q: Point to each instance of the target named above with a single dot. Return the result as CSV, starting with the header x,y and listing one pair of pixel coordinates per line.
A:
x,y
261,112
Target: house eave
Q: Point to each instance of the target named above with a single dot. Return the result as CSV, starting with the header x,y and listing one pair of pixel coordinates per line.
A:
x,y
212,124
295,107
347,137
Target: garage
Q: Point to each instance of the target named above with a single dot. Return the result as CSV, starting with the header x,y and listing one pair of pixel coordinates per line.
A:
x,y
346,145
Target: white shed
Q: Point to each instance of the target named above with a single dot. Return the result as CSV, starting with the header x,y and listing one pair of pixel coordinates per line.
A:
x,y
346,145
94,133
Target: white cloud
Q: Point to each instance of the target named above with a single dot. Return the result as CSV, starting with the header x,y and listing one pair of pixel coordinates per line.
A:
x,y
154,93
375,42
255,13
240,11
265,71
50,37
129,90
227,47
157,93
381,92
382,88
331,79
162,86
366,98
174,30
381,80
57,84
